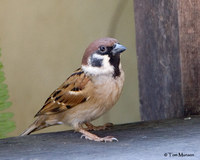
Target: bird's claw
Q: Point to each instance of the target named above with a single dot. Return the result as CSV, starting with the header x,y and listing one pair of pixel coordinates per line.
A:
x,y
109,139
99,139
86,137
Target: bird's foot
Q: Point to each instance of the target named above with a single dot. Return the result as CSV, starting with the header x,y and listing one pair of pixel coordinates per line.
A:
x,y
93,137
99,139
91,127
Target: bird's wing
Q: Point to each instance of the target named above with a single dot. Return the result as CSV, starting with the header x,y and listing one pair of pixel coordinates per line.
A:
x,y
68,95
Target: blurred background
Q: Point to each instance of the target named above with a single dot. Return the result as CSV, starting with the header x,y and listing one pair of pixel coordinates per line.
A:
x,y
43,41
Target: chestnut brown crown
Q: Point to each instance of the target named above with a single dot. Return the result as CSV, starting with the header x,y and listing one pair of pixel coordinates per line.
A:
x,y
93,47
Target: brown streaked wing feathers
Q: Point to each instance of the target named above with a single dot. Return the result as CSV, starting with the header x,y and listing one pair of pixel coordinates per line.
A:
x,y
61,99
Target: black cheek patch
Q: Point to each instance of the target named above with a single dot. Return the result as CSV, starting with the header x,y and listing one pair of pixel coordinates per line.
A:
x,y
96,62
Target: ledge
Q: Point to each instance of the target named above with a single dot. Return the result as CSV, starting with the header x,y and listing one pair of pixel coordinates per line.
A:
x,y
156,140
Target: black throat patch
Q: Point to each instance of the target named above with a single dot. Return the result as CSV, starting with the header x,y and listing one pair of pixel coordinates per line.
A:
x,y
115,60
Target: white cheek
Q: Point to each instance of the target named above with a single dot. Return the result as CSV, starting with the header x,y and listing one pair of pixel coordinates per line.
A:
x,y
98,56
106,67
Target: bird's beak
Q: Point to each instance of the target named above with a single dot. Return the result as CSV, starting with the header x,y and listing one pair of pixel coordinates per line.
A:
x,y
118,48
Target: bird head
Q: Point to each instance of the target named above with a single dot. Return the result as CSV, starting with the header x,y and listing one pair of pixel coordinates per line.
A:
x,y
103,57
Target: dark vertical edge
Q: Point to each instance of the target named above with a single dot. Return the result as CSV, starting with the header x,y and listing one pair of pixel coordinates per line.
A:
x,y
157,44
189,33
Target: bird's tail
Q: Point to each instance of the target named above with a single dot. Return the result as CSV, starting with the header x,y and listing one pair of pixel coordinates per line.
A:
x,y
28,131
37,125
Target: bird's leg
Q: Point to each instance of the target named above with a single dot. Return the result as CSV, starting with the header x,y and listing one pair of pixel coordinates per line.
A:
x,y
91,127
90,136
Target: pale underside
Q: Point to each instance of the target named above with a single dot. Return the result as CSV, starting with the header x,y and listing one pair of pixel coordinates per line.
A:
x,y
92,97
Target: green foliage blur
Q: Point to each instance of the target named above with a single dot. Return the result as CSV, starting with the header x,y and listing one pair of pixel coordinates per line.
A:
x,y
6,124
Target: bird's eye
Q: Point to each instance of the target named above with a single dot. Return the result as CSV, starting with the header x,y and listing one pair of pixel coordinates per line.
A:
x,y
102,48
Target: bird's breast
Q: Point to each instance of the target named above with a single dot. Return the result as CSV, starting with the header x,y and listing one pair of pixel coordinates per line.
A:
x,y
107,91
103,94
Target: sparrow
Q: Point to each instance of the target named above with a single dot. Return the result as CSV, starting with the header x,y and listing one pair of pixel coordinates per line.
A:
x,y
88,93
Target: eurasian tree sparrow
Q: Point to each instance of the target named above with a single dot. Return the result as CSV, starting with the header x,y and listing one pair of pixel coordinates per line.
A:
x,y
88,93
